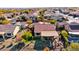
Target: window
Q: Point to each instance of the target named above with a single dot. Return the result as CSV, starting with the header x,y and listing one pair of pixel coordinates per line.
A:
x,y
9,34
74,27
37,33
73,35
1,37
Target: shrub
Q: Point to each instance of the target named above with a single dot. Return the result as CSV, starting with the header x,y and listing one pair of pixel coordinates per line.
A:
x,y
73,47
64,36
5,22
52,21
27,36
29,21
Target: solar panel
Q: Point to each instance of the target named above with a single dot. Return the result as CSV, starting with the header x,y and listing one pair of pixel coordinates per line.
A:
x,y
74,27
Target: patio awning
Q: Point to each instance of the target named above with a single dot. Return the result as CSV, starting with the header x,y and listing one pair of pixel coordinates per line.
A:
x,y
1,33
49,33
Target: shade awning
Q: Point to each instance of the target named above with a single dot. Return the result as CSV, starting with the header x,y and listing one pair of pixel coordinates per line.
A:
x,y
49,33
1,33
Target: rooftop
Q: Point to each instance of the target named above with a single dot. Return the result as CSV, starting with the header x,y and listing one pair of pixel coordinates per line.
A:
x,y
74,27
7,28
43,27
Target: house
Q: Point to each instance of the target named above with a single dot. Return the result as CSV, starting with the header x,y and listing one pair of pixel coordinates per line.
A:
x,y
74,14
7,30
45,30
73,28
71,19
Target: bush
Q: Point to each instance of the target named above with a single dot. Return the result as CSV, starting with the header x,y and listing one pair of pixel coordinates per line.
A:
x,y
27,36
64,37
65,34
23,18
2,18
29,21
5,22
52,21
73,47
60,28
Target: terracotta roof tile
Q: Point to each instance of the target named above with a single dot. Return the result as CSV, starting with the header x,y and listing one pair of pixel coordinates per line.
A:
x,y
7,28
43,27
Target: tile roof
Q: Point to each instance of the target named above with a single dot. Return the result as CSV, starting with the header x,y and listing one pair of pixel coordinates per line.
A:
x,y
61,23
73,27
7,28
43,27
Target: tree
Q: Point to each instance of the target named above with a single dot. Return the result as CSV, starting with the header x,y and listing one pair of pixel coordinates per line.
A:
x,y
64,37
29,21
23,18
73,47
27,36
2,18
52,21
5,22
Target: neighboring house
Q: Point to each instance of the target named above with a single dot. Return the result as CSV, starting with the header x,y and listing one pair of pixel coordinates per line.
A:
x,y
45,30
71,19
8,15
48,16
13,21
7,30
21,24
74,14
73,28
